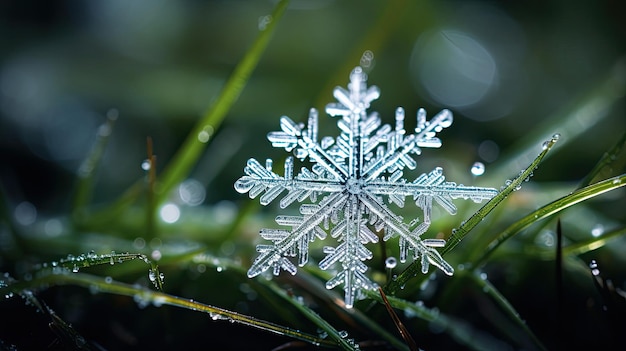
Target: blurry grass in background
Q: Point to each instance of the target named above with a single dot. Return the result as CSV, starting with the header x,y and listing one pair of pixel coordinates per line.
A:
x,y
82,86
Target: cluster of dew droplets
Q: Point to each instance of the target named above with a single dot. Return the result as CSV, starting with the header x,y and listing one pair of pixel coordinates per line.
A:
x,y
5,281
546,145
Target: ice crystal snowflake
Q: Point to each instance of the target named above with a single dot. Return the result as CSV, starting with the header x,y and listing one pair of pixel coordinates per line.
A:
x,y
351,176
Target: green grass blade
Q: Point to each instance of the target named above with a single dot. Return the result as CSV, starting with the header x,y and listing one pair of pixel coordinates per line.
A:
x,y
548,210
145,296
188,154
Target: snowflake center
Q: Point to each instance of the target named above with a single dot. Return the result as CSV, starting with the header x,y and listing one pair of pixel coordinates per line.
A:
x,y
354,186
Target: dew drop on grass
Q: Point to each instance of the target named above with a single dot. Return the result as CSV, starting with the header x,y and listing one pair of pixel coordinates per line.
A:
x,y
145,165
391,262
594,268
343,334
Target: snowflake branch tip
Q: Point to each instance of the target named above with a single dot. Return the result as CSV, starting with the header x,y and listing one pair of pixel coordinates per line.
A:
x,y
346,192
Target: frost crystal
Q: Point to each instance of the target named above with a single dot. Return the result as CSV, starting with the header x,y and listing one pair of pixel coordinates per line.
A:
x,y
347,185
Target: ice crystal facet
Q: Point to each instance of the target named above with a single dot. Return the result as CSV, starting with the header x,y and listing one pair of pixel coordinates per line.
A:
x,y
351,177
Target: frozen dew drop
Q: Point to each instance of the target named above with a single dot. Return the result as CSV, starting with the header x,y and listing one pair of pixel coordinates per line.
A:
x,y
597,230
391,262
152,276
478,169
593,265
145,165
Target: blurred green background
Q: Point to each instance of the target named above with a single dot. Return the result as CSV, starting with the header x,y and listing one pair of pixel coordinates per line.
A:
x,y
512,72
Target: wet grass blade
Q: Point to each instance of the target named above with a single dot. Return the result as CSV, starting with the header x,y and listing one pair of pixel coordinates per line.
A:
x,y
156,298
550,209
187,156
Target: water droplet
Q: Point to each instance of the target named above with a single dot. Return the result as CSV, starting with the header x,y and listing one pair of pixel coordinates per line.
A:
x,y
593,265
391,262
597,230
264,21
483,276
343,334
145,165
556,136
478,169
322,334
545,145
205,134
152,276
108,280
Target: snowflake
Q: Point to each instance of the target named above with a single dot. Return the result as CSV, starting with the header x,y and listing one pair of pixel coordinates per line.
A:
x,y
351,176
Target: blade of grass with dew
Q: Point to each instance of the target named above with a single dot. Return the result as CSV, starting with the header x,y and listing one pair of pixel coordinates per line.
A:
x,y
316,287
583,246
73,264
211,260
188,154
463,333
457,235
550,209
145,296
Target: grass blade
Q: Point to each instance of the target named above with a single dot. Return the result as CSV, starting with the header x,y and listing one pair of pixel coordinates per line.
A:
x,y
548,210
186,157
